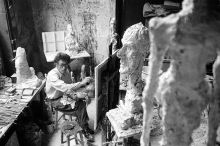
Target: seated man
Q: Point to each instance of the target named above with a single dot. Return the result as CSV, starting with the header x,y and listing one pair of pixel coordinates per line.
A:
x,y
59,83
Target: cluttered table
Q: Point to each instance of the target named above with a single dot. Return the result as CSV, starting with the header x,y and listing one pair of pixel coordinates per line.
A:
x,y
13,101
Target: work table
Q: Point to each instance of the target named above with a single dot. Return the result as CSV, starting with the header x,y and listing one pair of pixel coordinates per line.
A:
x,y
10,109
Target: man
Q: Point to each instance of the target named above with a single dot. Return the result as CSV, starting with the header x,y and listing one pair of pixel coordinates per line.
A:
x,y
59,83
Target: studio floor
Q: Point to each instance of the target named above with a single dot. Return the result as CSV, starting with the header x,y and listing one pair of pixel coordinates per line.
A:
x,y
54,139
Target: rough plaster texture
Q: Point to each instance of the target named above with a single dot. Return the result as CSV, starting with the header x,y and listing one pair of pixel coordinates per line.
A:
x,y
23,71
214,114
135,46
89,18
71,41
191,37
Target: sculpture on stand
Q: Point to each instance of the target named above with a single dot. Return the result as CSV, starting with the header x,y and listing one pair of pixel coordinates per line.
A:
x,y
190,37
71,42
135,46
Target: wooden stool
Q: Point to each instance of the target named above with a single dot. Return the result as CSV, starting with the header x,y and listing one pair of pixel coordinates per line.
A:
x,y
63,114
71,128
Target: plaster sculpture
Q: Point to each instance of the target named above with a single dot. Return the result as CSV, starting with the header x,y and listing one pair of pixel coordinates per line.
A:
x,y
214,113
23,71
25,75
190,37
71,41
113,35
135,46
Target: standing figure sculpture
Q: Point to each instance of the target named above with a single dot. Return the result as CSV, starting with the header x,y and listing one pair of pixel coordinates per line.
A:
x,y
71,40
190,38
214,113
23,72
135,46
113,38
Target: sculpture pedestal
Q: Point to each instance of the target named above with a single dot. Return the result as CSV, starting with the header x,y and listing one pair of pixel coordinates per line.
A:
x,y
116,116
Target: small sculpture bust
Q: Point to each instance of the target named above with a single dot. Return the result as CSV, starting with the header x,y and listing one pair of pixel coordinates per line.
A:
x,y
70,40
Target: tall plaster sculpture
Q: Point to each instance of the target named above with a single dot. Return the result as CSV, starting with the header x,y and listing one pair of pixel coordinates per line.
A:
x,y
25,75
135,45
113,35
23,72
190,37
214,113
70,40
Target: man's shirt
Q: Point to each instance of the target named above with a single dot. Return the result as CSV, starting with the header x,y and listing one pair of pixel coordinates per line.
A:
x,y
58,83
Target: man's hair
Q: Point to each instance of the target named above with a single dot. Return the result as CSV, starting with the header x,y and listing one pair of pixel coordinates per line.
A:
x,y
62,56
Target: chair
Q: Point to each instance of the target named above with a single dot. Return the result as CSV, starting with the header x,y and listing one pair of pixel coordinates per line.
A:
x,y
57,119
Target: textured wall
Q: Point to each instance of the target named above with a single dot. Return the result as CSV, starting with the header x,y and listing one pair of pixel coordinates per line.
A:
x,y
26,36
90,20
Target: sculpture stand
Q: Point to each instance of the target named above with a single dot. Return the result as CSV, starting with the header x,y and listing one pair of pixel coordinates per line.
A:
x,y
135,46
127,118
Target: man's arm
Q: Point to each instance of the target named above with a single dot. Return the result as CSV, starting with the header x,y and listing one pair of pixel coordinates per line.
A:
x,y
81,93
60,85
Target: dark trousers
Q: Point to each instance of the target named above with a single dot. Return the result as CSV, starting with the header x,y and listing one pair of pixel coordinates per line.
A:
x,y
79,111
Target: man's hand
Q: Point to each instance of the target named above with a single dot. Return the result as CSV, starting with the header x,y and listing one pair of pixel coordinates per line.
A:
x,y
86,81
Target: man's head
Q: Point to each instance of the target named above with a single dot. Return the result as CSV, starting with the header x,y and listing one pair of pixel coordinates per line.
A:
x,y
62,61
135,45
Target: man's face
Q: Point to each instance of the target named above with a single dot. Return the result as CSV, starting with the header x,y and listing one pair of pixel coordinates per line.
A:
x,y
62,66
129,58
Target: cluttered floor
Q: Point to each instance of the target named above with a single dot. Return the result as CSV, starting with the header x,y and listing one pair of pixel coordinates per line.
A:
x,y
54,139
